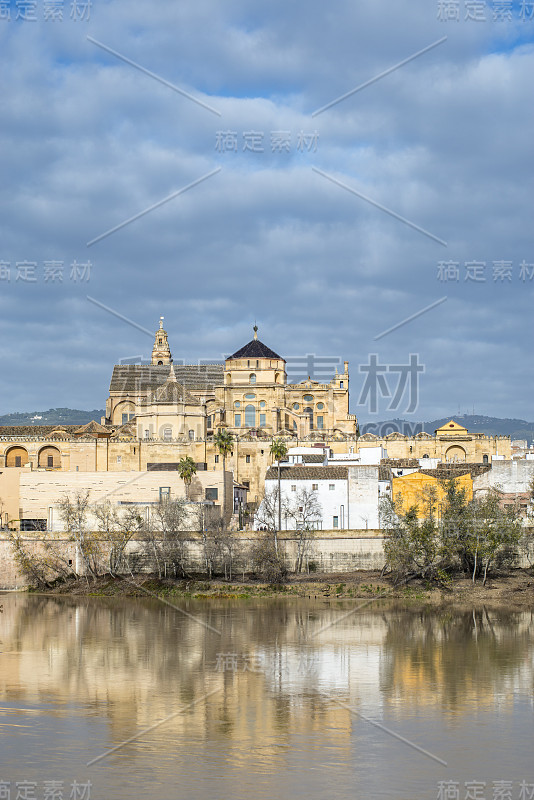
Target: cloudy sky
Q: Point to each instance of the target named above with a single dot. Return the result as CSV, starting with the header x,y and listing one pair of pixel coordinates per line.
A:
x,y
329,226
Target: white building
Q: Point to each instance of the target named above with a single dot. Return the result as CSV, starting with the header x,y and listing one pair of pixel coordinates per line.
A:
x,y
346,496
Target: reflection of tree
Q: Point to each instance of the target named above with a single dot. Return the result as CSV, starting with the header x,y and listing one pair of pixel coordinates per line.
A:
x,y
450,655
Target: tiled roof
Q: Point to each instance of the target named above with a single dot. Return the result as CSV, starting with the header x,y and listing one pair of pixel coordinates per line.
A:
x,y
400,463
255,349
300,473
138,378
38,431
455,470
315,458
92,427
173,392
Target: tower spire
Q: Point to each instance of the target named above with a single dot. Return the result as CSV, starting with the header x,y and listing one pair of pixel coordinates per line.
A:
x,y
161,352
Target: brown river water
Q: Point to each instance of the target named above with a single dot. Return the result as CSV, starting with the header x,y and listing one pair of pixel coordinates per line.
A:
x,y
260,699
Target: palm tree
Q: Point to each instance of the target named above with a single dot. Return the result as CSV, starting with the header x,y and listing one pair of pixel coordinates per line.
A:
x,y
224,443
186,470
279,453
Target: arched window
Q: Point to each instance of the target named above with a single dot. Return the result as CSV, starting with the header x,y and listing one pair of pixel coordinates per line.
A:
x,y
167,434
250,417
252,378
50,458
309,412
485,459
250,397
160,363
17,457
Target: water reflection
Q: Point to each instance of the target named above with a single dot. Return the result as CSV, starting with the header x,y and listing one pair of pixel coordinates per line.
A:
x,y
78,677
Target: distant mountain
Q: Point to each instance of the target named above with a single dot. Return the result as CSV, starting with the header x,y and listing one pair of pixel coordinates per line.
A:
x,y
475,423
54,416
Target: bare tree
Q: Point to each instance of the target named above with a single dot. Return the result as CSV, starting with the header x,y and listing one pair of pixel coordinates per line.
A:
x,y
117,527
266,516
74,514
307,513
166,537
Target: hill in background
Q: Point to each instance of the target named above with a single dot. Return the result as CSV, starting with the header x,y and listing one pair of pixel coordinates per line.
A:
x,y
475,423
54,416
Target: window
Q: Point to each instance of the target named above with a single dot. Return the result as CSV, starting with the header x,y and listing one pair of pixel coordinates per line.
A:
x,y
293,487
315,487
294,426
237,420
167,434
485,459
237,404
246,483
319,422
250,416
191,436
308,398
331,487
335,522
164,493
262,403
216,459
50,461
124,419
212,493
263,420
252,378
119,459
309,412
208,422
247,459
250,397
147,433
320,406
296,406
18,461
341,384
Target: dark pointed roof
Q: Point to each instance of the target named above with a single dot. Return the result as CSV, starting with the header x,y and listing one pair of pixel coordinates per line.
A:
x,y
255,349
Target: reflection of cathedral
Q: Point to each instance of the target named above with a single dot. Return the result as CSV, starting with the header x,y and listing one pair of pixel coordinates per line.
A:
x,y
249,394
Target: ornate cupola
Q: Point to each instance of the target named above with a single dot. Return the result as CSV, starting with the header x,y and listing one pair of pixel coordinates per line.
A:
x,y
161,352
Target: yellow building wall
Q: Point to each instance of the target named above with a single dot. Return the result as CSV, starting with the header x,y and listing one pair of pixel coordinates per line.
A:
x,y
413,490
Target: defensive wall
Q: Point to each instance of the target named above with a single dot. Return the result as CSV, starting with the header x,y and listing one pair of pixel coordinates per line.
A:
x,y
331,551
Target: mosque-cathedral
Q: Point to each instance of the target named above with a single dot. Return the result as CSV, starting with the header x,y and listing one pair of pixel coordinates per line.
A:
x,y
156,413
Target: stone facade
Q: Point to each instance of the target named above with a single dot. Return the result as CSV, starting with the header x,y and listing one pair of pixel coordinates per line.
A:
x,y
452,443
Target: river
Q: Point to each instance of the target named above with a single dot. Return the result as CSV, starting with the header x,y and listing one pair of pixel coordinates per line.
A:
x,y
288,698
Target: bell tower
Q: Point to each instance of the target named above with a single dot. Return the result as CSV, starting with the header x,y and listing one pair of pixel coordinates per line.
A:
x,y
161,352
